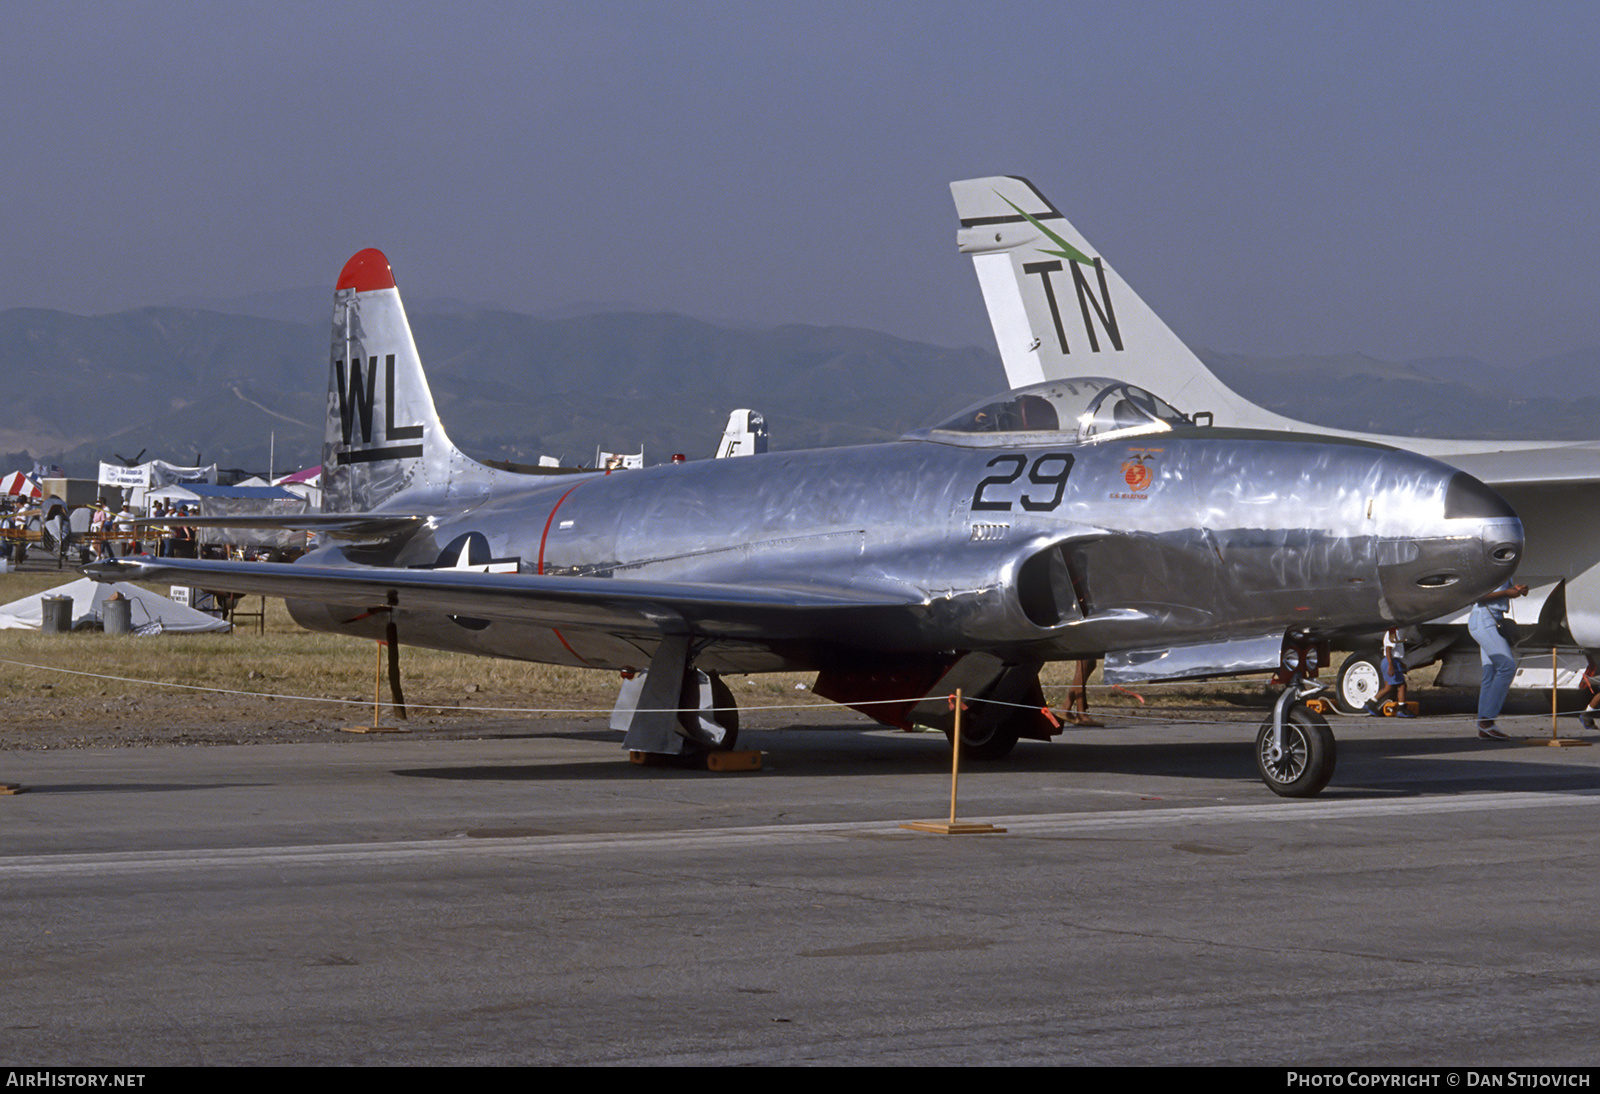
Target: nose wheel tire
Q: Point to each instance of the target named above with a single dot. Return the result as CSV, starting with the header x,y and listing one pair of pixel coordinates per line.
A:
x,y
1305,764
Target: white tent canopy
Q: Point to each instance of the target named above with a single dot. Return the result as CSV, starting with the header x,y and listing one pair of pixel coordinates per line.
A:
x,y
182,495
87,597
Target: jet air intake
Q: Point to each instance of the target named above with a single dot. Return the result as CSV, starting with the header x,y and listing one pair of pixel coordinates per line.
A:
x,y
1044,588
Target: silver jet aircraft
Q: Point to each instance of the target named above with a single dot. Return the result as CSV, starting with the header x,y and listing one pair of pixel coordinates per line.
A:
x,y
1063,520
1059,309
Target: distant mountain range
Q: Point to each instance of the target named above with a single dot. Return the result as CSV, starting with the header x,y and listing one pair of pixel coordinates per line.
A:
x,y
182,382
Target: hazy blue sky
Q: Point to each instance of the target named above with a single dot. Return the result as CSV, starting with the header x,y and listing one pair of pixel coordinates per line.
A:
x,y
1394,178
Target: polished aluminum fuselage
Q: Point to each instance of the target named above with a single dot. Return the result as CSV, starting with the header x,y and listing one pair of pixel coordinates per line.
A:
x,y
1031,546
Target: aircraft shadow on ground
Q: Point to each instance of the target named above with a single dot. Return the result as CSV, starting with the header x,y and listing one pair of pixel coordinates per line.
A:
x,y
1401,765
1369,767
794,752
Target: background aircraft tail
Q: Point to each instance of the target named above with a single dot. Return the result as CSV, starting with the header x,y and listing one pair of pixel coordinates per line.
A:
x,y
383,434
1059,310
746,435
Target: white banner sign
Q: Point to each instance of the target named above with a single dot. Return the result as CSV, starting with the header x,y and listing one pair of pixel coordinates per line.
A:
x,y
112,474
154,473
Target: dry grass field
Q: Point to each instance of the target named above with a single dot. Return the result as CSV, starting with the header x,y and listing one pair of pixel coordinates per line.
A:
x,y
88,689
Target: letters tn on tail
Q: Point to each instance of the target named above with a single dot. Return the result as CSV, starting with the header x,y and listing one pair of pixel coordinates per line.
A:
x,y
1059,310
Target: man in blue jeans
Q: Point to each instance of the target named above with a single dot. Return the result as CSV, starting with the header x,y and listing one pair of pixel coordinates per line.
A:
x,y
1499,664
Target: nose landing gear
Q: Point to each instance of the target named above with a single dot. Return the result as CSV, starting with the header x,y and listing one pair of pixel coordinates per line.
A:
x,y
1295,750
1297,760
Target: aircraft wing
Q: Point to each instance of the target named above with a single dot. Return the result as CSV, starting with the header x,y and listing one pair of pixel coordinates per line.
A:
x,y
1548,463
620,606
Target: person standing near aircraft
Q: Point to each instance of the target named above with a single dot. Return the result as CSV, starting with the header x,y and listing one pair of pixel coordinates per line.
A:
x,y
1393,666
124,527
1591,684
6,523
159,509
1499,664
183,538
1077,711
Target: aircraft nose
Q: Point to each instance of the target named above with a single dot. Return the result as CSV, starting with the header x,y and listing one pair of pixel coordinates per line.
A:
x,y
1465,498
1473,550
1499,531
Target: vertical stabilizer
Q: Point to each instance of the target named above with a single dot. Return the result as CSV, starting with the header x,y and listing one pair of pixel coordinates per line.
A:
x,y
1059,310
383,434
745,435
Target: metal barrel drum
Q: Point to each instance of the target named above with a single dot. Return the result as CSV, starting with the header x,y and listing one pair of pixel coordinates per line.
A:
x,y
56,614
117,615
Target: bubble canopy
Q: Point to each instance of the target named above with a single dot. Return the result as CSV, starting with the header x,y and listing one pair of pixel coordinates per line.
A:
x,y
1091,408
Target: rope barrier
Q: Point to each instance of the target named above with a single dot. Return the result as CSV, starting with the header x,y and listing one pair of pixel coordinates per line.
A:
x,y
819,701
1126,715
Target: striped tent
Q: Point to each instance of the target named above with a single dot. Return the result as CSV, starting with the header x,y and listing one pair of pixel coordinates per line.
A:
x,y
17,483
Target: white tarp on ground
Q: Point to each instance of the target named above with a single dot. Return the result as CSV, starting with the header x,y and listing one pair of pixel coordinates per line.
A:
x,y
87,596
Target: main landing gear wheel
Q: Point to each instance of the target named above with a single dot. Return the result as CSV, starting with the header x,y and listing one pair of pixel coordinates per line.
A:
x,y
1308,757
708,699
1359,681
991,739
726,713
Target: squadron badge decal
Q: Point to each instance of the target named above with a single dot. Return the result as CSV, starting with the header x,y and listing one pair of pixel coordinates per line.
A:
x,y
1138,472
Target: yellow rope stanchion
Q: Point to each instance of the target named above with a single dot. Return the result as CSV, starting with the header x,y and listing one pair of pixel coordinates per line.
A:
x,y
1556,740
953,827
377,701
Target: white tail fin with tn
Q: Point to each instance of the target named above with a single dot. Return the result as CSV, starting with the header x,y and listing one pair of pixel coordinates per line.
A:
x,y
1059,310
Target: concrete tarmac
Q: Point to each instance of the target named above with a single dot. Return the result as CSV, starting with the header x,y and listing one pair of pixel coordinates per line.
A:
x,y
530,897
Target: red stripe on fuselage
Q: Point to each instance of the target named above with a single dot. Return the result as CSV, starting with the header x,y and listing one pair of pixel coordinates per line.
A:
x,y
544,536
549,521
